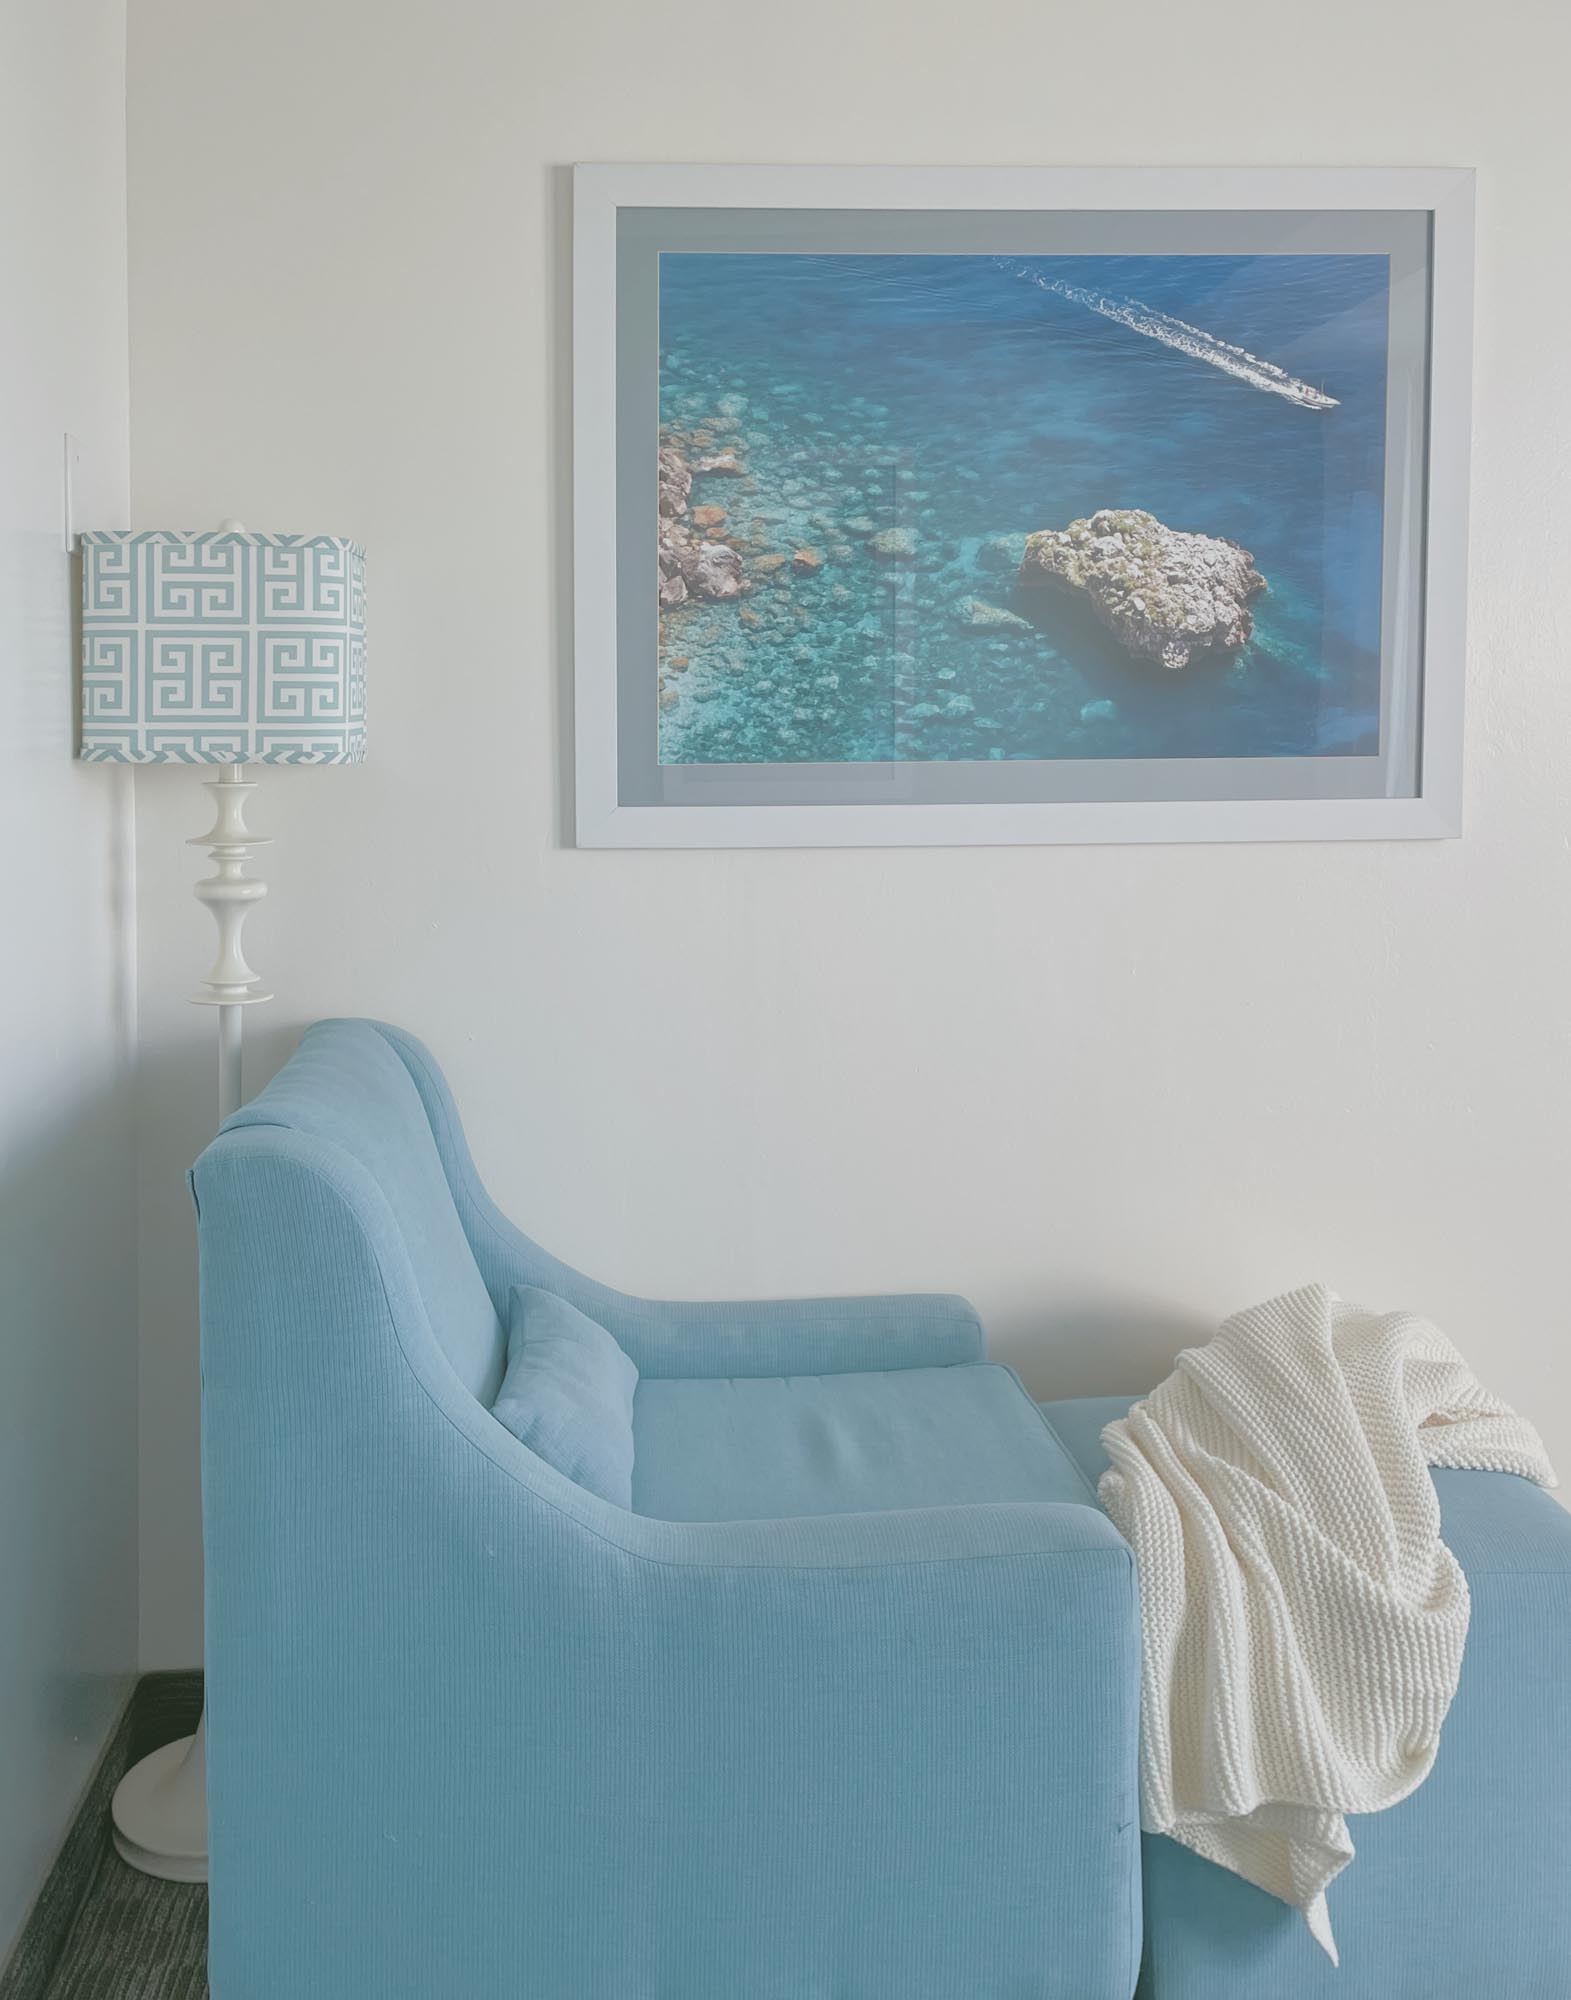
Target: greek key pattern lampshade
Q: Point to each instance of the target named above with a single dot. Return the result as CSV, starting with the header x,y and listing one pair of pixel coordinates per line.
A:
x,y
222,647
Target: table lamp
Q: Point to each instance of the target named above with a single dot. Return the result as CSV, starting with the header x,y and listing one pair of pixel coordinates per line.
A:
x,y
222,647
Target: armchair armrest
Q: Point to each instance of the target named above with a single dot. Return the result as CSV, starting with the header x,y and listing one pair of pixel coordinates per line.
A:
x,y
772,1336
703,1337
1497,1524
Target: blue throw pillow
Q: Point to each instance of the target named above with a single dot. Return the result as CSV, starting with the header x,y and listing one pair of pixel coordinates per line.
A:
x,y
568,1394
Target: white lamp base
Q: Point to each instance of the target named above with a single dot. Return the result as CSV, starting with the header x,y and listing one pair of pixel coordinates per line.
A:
x,y
160,1805
160,1811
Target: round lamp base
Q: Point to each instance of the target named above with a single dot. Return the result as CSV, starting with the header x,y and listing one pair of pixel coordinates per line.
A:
x,y
160,1812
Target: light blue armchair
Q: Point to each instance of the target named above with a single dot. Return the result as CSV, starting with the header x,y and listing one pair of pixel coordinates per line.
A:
x,y
844,1709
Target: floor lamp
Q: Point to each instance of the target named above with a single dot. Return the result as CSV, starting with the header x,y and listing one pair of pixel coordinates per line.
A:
x,y
229,648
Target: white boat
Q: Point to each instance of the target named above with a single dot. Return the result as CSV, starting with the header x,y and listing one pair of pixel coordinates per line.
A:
x,y
1191,340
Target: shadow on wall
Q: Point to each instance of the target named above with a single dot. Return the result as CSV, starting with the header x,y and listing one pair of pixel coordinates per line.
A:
x,y
1098,1347
68,1439
559,236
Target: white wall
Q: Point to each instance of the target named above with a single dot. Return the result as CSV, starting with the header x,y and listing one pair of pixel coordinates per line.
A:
x,y
1112,1093
67,1219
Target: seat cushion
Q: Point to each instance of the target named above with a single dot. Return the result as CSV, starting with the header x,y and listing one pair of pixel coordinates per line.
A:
x,y
1078,1425
766,1447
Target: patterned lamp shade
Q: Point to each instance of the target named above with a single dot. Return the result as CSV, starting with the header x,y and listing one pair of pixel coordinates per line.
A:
x,y
222,647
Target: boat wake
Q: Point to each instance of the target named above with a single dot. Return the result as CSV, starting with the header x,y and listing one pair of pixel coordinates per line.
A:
x,y
1190,340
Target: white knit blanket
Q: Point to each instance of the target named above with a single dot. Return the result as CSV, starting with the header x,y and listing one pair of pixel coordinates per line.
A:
x,y
1303,1622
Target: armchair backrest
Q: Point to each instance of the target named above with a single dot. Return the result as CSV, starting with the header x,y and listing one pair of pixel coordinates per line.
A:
x,y
348,1087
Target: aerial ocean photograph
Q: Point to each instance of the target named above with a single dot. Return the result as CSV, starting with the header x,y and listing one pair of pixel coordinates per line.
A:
x,y
966,507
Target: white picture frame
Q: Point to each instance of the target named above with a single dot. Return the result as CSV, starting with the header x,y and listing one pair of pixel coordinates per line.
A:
x,y
603,817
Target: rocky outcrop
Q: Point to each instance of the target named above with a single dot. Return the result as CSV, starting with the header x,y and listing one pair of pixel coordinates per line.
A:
x,y
691,565
676,483
692,568
1161,592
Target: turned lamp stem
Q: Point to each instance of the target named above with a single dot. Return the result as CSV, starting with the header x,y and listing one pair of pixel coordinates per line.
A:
x,y
230,893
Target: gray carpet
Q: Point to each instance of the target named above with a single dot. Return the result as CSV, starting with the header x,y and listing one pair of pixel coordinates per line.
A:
x,y
134,1939
99,1930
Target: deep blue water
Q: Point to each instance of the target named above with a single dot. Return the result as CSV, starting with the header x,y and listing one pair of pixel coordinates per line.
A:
x,y
956,398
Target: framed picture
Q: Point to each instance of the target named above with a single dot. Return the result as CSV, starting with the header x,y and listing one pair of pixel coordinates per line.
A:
x,y
953,506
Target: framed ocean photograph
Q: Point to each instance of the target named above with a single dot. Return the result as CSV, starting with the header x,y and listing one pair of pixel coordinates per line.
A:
x,y
961,506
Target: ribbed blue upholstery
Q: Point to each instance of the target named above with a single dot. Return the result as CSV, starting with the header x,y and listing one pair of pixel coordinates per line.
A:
x,y
761,1448
568,1394
1459,1892
479,1735
348,1087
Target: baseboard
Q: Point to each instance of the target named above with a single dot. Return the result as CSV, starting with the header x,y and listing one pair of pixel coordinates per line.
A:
x,y
159,1708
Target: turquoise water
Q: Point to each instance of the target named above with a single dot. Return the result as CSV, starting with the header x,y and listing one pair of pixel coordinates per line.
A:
x,y
959,400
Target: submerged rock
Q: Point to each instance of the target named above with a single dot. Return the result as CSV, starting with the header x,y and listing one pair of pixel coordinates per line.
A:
x,y
1160,591
1001,552
894,544
720,461
976,615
